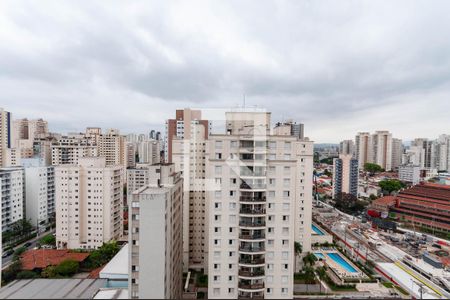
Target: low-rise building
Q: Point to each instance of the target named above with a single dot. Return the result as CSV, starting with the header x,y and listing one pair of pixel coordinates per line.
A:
x,y
409,173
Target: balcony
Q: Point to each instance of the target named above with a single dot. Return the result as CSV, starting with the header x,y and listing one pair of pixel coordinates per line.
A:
x,y
249,248
254,186
254,273
252,199
254,236
252,261
250,286
252,211
252,223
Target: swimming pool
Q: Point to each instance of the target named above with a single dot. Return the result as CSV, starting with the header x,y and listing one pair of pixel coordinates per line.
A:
x,y
316,230
319,255
337,258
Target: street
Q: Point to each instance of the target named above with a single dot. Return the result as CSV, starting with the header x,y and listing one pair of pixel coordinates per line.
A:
x,y
7,261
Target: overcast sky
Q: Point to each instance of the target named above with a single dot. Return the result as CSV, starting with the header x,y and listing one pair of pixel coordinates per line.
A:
x,y
338,66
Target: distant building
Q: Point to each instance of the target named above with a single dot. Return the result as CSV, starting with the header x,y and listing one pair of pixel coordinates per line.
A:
x,y
290,128
409,174
12,195
345,175
397,152
111,145
156,238
180,127
364,150
67,150
40,192
89,201
347,147
5,135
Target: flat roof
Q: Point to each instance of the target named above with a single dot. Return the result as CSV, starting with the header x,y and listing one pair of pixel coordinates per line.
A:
x,y
117,267
52,288
112,294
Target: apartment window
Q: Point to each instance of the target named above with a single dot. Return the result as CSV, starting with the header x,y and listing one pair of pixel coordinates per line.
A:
x,y
285,218
216,229
270,243
269,279
218,169
216,291
219,144
272,145
271,205
272,156
216,253
216,267
285,242
285,230
216,278
286,194
233,144
287,145
232,193
284,291
230,290
217,242
230,278
233,180
232,205
270,266
218,155
218,194
216,217
271,218
269,291
287,157
272,181
285,267
271,194
218,180
286,206
270,230
285,254
217,205
286,182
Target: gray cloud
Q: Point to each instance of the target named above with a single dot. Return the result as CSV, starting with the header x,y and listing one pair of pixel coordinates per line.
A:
x,y
339,67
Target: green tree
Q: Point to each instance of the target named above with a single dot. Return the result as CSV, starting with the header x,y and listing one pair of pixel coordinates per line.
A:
x,y
48,240
67,268
102,255
373,197
10,273
391,185
309,259
372,168
49,272
18,252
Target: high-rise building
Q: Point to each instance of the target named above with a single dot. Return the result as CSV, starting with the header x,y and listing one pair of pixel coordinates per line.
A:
x,y
188,155
5,135
148,151
345,175
397,153
111,145
155,237
13,195
69,149
259,204
442,148
130,149
89,201
382,149
347,147
25,132
290,128
40,192
363,144
181,127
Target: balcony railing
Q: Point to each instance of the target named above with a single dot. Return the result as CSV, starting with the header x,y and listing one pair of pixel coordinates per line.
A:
x,y
256,273
252,236
249,261
248,248
252,224
254,286
252,199
255,211
246,186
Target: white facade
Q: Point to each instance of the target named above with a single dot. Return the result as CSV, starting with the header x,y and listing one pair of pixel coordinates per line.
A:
x,y
259,203
111,145
89,203
382,149
5,135
363,148
155,237
148,151
347,147
409,173
40,192
67,150
12,192
397,152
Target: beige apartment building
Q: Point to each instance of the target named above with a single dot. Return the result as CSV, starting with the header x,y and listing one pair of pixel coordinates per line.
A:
x,y
363,145
111,145
89,203
185,146
155,239
259,201
67,150
375,148
5,136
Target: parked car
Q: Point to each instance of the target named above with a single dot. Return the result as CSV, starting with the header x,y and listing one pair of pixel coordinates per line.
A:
x,y
7,253
27,244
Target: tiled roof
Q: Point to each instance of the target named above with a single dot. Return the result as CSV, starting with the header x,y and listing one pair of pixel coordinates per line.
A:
x,y
42,258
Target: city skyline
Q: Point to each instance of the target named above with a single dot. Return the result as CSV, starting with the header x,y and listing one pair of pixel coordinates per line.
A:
x,y
385,70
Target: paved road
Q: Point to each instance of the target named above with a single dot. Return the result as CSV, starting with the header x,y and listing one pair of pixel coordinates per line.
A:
x,y
7,261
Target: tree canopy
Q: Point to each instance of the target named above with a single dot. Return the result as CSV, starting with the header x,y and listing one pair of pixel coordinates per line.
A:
x,y
391,185
372,168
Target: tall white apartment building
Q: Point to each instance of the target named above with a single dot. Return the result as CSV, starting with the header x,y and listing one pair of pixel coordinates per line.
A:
x,y
40,192
89,202
5,135
188,155
382,149
347,147
137,177
68,150
259,199
155,238
148,151
364,149
130,149
397,153
442,153
13,195
409,173
345,175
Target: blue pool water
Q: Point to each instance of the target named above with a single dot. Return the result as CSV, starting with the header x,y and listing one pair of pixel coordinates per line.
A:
x,y
319,255
342,262
316,230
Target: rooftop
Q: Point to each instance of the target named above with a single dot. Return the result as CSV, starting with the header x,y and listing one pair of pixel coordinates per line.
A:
x,y
117,268
52,289
42,258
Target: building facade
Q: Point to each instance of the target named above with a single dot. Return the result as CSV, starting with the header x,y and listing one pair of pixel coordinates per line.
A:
x,y
345,175
347,147
409,173
155,239
67,150
5,136
259,204
89,203
13,195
